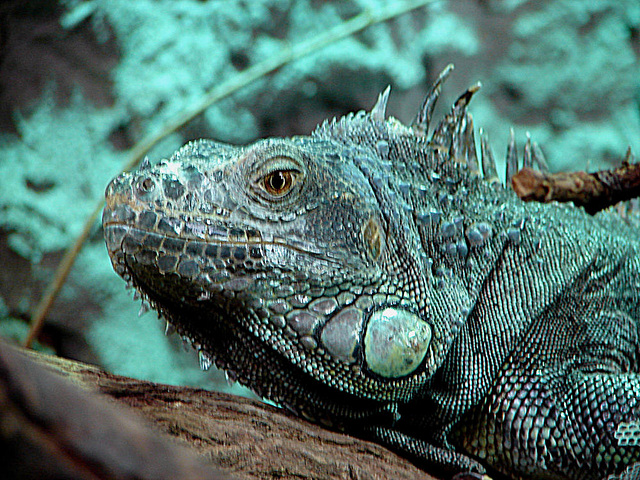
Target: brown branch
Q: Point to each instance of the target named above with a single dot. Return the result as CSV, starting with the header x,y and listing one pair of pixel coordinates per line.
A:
x,y
49,429
48,425
594,191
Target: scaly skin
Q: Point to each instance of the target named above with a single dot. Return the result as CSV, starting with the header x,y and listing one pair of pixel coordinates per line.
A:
x,y
367,277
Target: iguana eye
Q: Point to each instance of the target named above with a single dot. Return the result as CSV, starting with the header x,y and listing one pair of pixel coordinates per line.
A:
x,y
276,180
279,182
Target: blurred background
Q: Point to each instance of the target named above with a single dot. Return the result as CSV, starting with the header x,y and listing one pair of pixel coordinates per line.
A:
x,y
82,80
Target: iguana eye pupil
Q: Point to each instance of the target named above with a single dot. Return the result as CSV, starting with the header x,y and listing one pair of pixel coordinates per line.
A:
x,y
279,182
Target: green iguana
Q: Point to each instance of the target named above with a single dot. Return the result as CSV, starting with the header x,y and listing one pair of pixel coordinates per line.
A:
x,y
368,277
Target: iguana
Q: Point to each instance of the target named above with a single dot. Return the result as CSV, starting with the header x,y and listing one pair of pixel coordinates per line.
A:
x,y
369,278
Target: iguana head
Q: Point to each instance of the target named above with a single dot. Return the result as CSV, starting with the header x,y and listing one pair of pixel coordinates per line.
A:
x,y
317,266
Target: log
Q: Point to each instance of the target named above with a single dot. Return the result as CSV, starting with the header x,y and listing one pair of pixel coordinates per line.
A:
x,y
65,419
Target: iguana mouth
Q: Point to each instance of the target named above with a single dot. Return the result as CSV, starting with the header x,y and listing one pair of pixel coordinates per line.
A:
x,y
211,265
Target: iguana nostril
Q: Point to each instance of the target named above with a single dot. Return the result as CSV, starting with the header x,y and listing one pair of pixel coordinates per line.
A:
x,y
146,185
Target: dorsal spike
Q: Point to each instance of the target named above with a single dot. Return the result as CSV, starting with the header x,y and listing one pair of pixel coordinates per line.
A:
x,y
461,120
463,100
511,162
463,147
205,360
449,130
469,145
421,123
145,163
629,157
537,157
489,171
169,329
527,155
379,110
144,308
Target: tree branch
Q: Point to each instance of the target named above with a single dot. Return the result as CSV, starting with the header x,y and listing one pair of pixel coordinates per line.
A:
x,y
594,191
93,429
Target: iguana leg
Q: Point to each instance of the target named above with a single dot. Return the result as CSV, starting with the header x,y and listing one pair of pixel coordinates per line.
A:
x,y
554,424
442,459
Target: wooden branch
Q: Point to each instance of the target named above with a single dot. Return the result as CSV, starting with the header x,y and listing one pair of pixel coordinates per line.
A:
x,y
87,425
594,191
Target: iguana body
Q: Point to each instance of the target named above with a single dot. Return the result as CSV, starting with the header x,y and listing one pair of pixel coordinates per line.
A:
x,y
367,277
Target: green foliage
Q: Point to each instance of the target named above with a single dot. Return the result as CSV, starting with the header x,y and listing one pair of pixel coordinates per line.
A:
x,y
52,174
174,51
575,71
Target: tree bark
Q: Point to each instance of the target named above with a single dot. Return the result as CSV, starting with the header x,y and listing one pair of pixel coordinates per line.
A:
x,y
65,419
594,191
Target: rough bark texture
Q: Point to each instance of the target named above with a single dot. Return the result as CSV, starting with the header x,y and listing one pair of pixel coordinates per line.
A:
x,y
594,191
50,428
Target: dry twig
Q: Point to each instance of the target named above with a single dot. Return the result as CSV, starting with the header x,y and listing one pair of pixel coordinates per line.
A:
x,y
594,191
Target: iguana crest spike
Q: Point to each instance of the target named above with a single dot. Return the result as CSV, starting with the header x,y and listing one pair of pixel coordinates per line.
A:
x,y
423,119
538,159
463,100
527,155
629,157
379,110
489,170
511,161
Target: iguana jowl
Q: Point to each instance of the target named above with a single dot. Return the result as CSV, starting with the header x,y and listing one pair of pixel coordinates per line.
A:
x,y
369,278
